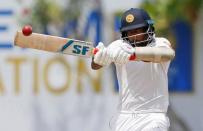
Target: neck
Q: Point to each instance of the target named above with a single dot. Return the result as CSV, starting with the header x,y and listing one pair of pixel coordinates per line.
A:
x,y
141,44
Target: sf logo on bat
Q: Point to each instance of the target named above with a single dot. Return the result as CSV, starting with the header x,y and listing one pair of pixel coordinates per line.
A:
x,y
79,49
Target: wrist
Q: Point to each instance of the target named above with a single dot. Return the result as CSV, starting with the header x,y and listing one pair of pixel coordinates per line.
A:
x,y
95,66
133,57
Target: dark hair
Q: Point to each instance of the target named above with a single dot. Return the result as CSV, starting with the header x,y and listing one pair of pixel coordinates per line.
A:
x,y
135,19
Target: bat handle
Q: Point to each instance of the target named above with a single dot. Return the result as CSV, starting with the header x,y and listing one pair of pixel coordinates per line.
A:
x,y
95,50
131,58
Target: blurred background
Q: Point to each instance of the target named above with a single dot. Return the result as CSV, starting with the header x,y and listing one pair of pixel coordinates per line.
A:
x,y
41,91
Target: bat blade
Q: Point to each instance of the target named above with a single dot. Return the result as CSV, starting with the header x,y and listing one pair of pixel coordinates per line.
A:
x,y
54,44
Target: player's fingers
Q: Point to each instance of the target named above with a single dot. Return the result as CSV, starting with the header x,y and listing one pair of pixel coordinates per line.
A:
x,y
119,57
127,48
116,55
111,55
109,58
123,57
100,46
98,57
104,57
126,60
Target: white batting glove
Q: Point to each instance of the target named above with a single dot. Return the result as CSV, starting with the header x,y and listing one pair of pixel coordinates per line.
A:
x,y
102,57
121,52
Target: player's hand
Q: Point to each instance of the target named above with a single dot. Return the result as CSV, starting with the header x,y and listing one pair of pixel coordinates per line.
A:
x,y
102,57
121,52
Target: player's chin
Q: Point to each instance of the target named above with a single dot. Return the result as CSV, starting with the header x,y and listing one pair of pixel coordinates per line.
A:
x,y
141,44
146,61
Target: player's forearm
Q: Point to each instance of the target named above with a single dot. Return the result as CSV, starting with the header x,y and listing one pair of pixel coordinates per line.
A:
x,y
154,54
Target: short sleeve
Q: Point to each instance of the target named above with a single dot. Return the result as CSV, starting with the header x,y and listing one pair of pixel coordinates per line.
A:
x,y
162,42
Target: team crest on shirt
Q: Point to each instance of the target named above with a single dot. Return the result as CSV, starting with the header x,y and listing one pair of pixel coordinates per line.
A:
x,y
130,18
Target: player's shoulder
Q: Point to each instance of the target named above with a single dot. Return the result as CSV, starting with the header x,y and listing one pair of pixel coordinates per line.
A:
x,y
161,41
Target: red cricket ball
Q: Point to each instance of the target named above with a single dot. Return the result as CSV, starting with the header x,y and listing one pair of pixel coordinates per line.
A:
x,y
27,30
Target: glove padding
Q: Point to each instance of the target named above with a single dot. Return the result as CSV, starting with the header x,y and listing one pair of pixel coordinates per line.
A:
x,y
102,57
120,52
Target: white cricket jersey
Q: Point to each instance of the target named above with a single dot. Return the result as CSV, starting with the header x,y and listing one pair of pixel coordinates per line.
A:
x,y
144,85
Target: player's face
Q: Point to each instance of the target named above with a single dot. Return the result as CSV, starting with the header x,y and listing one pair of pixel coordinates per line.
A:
x,y
136,35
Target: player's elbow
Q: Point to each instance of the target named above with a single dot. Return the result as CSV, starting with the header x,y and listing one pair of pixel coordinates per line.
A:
x,y
171,54
168,54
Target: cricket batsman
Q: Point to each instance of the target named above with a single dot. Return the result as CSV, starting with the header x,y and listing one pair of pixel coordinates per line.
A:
x,y
143,83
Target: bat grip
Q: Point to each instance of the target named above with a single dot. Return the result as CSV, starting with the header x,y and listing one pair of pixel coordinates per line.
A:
x,y
131,58
95,50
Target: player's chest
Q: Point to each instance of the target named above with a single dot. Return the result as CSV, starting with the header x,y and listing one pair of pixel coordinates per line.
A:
x,y
144,69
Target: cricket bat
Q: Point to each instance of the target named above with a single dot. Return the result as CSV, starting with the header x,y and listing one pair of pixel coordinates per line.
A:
x,y
56,44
